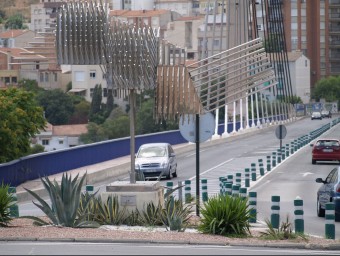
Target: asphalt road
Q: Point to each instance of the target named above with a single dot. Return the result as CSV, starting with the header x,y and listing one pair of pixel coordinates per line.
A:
x,y
56,248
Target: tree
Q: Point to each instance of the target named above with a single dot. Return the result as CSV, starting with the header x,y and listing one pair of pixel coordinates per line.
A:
x,y
328,89
30,85
96,103
15,21
94,133
58,106
81,113
109,102
21,118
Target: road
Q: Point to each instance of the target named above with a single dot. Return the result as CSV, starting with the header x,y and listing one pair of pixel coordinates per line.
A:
x,y
290,179
293,178
46,248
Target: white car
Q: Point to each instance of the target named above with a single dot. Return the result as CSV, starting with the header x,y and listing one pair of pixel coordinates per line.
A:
x,y
155,159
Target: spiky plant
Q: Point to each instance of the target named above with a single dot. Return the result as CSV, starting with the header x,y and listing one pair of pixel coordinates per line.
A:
x,y
151,215
225,215
65,199
89,206
110,213
175,216
284,231
6,201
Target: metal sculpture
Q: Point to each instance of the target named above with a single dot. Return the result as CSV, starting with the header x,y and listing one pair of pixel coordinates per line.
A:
x,y
135,58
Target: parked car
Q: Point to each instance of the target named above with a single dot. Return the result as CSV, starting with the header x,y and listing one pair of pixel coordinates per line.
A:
x,y
326,113
329,192
325,150
155,159
316,115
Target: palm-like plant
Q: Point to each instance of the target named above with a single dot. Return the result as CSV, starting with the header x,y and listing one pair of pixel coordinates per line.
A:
x,y
6,201
65,200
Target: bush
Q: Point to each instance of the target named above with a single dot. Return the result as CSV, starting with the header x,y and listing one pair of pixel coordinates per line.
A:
x,y
6,201
284,232
65,201
225,215
175,216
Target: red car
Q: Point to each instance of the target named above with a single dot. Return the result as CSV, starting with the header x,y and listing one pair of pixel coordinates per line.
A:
x,y
326,150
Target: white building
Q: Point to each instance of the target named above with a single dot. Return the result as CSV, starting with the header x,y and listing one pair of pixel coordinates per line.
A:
x,y
299,67
133,4
60,136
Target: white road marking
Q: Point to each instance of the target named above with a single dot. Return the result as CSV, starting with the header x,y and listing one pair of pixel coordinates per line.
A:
x,y
306,173
213,168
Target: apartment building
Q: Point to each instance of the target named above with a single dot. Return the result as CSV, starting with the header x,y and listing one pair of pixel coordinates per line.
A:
x,y
313,27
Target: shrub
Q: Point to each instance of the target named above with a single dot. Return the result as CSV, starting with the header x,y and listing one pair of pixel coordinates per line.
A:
x,y
284,232
175,216
6,201
109,212
152,215
225,215
65,200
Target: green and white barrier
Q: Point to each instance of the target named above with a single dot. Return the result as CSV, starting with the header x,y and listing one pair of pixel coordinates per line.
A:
x,y
252,206
253,171
246,178
275,215
330,221
14,208
204,183
187,189
298,212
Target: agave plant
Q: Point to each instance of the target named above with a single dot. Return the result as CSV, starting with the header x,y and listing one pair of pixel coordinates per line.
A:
x,y
89,206
65,200
109,212
151,216
175,215
6,201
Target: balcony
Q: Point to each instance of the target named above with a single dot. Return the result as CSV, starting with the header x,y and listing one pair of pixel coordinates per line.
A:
x,y
333,3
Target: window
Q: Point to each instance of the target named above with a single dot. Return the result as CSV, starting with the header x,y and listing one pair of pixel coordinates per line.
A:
x,y
45,142
104,92
91,92
61,141
216,42
79,76
46,77
41,77
306,63
92,74
55,77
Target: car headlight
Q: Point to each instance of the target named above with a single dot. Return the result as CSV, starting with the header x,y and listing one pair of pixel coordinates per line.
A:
x,y
164,164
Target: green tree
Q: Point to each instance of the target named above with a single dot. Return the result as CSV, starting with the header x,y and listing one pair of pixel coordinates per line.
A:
x,y
21,118
96,114
328,89
117,128
109,102
30,85
81,113
94,133
58,106
15,21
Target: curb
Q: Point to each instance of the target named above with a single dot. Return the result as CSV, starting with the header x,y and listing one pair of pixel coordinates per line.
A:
x,y
306,246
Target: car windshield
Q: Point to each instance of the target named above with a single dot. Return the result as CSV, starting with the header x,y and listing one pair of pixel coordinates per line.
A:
x,y
328,143
152,152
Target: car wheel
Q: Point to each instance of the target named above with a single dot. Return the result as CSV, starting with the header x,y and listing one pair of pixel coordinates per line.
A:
x,y
168,176
174,174
313,161
320,211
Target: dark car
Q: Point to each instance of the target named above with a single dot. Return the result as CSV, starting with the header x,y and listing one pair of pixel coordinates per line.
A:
x,y
156,159
326,113
316,115
325,150
329,192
